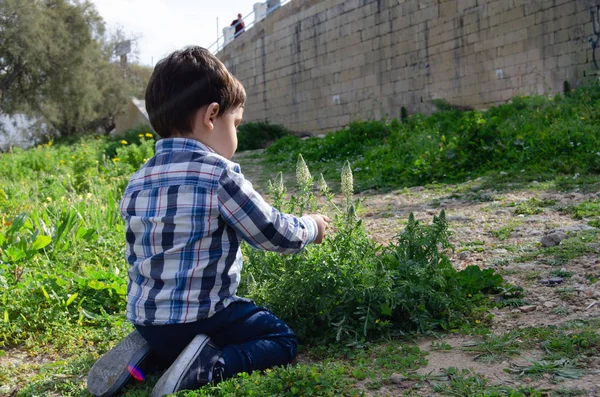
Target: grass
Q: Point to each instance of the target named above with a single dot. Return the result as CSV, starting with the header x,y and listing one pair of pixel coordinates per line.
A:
x,y
63,276
568,350
532,139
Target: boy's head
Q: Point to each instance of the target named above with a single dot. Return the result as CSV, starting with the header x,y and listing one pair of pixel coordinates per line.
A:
x,y
191,93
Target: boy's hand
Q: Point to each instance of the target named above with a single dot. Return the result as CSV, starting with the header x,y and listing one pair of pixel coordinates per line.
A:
x,y
322,224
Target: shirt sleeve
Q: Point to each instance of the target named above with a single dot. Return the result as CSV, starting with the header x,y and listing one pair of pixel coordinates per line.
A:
x,y
258,223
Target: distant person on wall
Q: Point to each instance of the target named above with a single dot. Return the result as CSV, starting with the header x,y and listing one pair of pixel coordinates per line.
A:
x,y
239,25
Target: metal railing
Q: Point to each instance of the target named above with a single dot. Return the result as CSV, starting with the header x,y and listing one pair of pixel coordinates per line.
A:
x,y
222,40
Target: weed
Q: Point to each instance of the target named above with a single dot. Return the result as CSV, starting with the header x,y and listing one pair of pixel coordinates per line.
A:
x,y
305,380
531,207
561,273
466,383
440,346
559,369
348,288
568,393
504,232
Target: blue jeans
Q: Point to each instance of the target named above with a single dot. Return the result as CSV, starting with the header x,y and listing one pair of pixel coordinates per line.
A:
x,y
251,337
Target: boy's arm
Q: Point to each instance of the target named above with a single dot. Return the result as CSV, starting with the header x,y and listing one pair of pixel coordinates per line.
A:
x,y
261,225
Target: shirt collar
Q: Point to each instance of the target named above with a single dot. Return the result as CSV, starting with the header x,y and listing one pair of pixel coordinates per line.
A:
x,y
181,145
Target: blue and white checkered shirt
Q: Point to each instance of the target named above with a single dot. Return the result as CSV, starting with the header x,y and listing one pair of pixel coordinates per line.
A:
x,y
187,211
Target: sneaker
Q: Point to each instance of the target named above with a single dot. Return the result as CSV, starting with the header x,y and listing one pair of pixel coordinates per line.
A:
x,y
110,373
192,369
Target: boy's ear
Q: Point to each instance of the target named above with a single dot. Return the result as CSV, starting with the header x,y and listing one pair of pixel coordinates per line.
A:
x,y
209,115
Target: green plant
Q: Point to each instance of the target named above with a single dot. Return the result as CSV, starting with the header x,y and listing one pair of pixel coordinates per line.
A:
x,y
259,135
299,380
532,138
504,232
440,346
350,288
465,383
532,206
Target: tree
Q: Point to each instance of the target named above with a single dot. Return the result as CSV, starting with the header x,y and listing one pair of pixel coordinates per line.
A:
x,y
55,61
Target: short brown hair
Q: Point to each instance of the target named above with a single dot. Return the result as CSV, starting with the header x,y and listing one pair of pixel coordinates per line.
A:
x,y
185,81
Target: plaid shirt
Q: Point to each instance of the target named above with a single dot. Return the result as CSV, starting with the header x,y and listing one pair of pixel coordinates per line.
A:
x,y
187,211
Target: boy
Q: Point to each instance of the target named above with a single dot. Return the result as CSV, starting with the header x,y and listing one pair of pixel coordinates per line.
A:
x,y
187,211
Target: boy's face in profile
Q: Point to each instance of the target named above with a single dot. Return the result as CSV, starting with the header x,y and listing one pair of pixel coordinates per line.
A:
x,y
218,132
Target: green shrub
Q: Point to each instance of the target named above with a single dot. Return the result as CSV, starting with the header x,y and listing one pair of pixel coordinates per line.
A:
x,y
259,135
535,136
349,288
299,380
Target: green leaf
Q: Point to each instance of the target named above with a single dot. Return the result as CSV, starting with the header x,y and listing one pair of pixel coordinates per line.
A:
x,y
41,242
97,285
386,310
45,294
6,316
15,254
71,299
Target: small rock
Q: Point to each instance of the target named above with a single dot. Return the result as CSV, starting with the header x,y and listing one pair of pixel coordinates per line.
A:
x,y
459,218
528,309
369,214
549,305
502,212
550,240
499,251
552,281
397,378
463,255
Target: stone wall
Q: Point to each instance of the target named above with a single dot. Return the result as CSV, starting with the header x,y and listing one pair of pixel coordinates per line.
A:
x,y
314,66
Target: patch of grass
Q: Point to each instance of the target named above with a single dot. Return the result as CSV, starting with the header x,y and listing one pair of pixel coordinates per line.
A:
x,y
567,350
532,206
443,346
586,209
529,139
495,348
305,380
560,369
573,247
504,232
466,383
568,393
259,135
561,273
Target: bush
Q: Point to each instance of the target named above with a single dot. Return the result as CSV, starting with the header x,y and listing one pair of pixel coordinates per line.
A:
x,y
348,288
259,135
537,136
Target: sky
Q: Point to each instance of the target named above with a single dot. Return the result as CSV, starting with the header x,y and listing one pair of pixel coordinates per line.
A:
x,y
166,25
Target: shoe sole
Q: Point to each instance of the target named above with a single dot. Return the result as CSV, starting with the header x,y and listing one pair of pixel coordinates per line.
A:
x,y
170,381
110,373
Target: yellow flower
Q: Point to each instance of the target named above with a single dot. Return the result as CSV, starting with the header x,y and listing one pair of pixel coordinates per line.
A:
x,y
574,336
477,321
116,160
148,135
62,161
140,135
377,321
73,157
49,143
49,199
123,142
